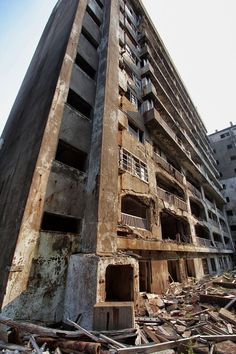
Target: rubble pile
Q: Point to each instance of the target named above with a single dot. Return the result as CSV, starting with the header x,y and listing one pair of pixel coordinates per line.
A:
x,y
195,317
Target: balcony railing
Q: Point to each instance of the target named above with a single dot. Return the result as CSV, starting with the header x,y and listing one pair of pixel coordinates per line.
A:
x,y
219,245
221,213
194,190
172,199
174,104
204,242
169,168
229,247
214,222
134,221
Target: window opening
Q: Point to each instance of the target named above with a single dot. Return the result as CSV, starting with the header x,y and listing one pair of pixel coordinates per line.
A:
x,y
94,17
60,223
119,283
89,38
79,104
85,66
70,156
135,131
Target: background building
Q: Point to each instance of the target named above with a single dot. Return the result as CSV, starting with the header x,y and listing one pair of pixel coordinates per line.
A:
x,y
223,143
108,182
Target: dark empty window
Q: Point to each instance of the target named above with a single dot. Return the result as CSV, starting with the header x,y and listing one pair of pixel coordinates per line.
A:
x,y
233,227
227,199
85,66
224,135
217,162
61,223
213,264
79,104
224,186
89,38
235,170
71,156
135,131
205,266
221,175
229,212
229,146
119,283
232,158
94,17
214,150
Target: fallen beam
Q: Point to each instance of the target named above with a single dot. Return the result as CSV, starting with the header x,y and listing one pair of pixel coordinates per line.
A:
x,y
228,316
215,299
231,303
38,330
152,348
225,284
219,338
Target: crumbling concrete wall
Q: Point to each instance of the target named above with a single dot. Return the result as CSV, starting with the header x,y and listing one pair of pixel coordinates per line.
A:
x,y
33,129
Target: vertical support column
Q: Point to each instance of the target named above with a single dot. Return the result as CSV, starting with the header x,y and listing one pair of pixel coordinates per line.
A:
x,y
100,220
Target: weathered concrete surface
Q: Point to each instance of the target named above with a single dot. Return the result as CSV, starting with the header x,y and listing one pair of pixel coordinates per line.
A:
x,y
76,129
64,186
37,113
88,52
81,288
43,299
100,218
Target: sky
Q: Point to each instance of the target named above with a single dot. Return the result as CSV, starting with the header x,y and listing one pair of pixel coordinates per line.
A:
x,y
199,35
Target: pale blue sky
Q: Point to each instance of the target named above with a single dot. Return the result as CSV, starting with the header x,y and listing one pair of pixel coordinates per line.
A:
x,y
199,35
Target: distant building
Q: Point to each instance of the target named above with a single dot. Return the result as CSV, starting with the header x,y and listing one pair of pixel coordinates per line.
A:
x,y
223,143
108,183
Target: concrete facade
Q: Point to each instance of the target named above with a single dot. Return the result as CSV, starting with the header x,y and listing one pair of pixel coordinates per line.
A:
x,y
120,188
223,143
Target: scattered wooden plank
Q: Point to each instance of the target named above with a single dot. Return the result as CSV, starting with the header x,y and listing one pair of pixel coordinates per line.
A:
x,y
229,328
14,347
225,284
231,303
38,330
227,315
151,334
35,345
219,338
215,299
112,341
152,348
89,334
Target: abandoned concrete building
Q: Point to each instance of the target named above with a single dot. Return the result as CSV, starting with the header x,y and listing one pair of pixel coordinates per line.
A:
x,y
108,182
223,143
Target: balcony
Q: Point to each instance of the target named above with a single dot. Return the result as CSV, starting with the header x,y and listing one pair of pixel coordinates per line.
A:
x,y
149,90
222,214
147,69
229,247
214,223
134,221
175,104
194,190
231,219
172,199
131,31
157,125
168,167
219,245
204,242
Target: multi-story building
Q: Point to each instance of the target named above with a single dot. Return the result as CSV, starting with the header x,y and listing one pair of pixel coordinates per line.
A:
x,y
108,183
223,143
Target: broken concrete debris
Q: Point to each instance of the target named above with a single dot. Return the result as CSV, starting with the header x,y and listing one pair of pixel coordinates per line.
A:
x,y
193,317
